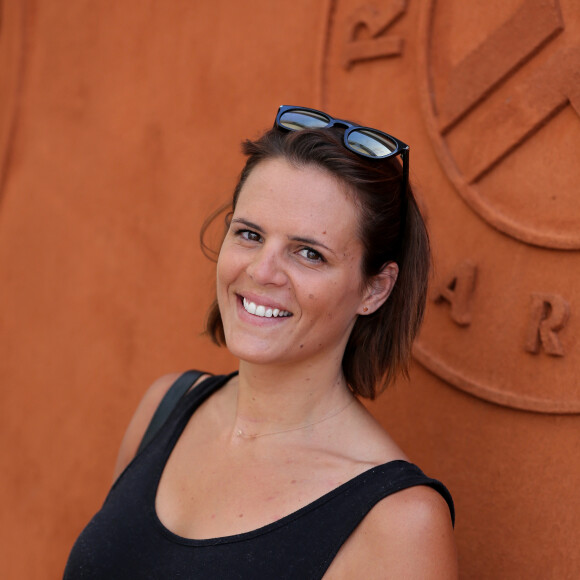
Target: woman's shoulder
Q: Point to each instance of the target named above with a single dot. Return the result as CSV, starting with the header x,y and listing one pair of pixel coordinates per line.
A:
x,y
366,439
408,534
142,417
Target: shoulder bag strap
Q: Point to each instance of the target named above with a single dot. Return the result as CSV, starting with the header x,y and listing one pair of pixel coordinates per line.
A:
x,y
168,403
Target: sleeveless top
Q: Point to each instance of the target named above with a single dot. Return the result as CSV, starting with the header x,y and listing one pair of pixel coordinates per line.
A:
x,y
126,539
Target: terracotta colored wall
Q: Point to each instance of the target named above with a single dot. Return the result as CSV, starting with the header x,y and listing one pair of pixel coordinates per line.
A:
x,y
120,125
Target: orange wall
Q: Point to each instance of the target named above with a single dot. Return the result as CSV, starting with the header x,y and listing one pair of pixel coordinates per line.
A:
x,y
120,125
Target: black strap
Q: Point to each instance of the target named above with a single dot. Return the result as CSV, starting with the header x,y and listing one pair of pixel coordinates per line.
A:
x,y
168,403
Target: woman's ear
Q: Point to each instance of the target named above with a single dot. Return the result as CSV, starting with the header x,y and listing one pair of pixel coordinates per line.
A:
x,y
379,288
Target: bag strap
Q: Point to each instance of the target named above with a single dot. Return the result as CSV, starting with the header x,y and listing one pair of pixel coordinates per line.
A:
x,y
173,395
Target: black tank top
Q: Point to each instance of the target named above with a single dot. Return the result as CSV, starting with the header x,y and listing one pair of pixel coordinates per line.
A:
x,y
126,540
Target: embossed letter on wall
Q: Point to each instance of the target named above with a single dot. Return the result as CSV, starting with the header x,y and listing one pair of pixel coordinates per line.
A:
x,y
376,22
457,289
548,314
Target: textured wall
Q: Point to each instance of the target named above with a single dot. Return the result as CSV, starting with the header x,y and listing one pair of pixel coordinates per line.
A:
x,y
120,125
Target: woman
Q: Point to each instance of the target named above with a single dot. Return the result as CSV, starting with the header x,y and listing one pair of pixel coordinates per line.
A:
x,y
278,471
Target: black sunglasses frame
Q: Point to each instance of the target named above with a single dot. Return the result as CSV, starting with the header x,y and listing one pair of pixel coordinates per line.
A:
x,y
402,148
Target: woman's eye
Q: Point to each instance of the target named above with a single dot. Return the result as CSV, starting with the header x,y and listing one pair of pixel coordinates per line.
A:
x,y
249,235
311,255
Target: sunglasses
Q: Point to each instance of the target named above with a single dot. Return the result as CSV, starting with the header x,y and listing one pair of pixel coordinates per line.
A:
x,y
363,141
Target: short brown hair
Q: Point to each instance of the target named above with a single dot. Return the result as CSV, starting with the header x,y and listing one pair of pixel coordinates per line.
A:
x,y
391,230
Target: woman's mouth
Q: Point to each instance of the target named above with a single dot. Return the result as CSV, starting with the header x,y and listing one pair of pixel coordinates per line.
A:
x,y
264,311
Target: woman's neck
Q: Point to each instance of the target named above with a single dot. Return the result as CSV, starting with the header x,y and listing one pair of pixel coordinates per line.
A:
x,y
273,400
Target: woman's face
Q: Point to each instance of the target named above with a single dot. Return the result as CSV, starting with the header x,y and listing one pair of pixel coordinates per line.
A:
x,y
289,270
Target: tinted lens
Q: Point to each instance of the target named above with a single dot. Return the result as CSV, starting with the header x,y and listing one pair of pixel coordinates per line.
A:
x,y
370,143
297,119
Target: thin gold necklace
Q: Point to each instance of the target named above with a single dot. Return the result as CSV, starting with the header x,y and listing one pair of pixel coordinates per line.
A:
x,y
241,434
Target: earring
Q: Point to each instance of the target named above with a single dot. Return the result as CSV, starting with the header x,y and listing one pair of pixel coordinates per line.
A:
x,y
365,309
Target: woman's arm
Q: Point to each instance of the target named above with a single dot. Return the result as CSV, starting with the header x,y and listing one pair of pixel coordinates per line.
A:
x,y
408,535
140,421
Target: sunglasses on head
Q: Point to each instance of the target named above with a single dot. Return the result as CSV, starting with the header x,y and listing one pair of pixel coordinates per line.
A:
x,y
363,141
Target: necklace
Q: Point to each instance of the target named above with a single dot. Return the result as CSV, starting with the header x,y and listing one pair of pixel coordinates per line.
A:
x,y
241,434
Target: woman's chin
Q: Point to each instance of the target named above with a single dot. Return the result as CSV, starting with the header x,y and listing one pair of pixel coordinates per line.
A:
x,y
252,351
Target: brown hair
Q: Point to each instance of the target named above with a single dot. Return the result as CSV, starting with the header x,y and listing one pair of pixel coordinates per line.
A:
x,y
391,229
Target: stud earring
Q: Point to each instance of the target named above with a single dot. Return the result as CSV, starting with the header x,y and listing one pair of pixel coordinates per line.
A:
x,y
365,309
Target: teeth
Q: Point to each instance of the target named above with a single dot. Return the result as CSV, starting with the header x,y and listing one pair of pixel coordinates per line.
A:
x,y
263,311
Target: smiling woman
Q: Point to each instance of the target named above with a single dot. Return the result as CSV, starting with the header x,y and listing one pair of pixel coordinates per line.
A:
x,y
271,266
277,470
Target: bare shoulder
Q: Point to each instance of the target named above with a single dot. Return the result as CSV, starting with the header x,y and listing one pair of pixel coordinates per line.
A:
x,y
407,535
141,419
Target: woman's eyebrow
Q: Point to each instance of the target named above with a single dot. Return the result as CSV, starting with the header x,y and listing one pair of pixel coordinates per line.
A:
x,y
248,224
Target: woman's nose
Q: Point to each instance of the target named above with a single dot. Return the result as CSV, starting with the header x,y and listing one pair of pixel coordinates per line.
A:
x,y
266,268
